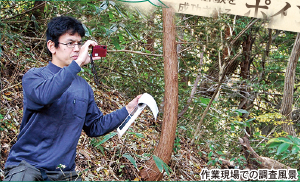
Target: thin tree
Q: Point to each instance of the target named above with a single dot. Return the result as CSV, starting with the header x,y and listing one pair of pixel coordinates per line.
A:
x,y
166,142
287,100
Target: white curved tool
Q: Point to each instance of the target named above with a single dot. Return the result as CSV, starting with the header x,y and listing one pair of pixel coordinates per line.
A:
x,y
145,100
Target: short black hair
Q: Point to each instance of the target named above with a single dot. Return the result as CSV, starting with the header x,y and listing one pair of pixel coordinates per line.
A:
x,y
61,25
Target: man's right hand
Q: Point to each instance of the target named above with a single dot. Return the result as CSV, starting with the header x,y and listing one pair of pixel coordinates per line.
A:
x,y
84,57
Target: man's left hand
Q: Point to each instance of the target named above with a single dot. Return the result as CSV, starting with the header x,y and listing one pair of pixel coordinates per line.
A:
x,y
132,104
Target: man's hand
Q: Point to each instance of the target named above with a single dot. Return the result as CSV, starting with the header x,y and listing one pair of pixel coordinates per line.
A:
x,y
84,57
132,104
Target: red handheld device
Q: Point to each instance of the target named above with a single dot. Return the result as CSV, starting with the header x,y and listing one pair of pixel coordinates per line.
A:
x,y
99,51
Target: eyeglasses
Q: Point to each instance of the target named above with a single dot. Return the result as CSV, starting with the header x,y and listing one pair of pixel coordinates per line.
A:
x,y
72,44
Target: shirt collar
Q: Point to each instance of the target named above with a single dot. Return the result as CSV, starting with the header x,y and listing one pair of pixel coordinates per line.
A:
x,y
53,68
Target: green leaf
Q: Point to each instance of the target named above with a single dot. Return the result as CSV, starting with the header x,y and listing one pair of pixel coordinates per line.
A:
x,y
102,7
161,165
295,140
284,156
123,26
248,121
121,37
232,127
140,14
285,140
242,157
238,122
274,140
283,147
106,137
36,25
183,127
112,29
88,32
114,5
139,135
131,159
204,100
167,168
241,111
274,144
101,149
220,152
210,162
295,149
116,43
158,162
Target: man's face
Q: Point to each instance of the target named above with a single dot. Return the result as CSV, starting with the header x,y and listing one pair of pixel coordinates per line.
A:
x,y
63,55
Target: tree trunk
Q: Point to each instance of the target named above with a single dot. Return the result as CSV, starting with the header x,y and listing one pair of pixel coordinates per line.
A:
x,y
287,100
166,142
245,70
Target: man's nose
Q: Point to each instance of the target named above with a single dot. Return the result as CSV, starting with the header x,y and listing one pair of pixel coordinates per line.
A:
x,y
76,47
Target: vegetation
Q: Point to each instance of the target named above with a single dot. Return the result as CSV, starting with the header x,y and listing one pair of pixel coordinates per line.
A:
x,y
230,67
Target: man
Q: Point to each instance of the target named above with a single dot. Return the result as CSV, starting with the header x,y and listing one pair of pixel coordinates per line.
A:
x,y
58,104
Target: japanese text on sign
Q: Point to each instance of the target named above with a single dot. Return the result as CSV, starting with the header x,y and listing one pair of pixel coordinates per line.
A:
x,y
281,14
260,174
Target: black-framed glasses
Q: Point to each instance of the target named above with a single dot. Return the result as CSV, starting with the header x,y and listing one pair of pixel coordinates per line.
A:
x,y
72,44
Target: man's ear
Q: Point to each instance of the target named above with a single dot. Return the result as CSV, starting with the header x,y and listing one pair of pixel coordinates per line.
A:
x,y
51,46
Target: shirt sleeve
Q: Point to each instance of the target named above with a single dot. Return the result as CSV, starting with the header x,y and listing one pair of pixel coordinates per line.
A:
x,y
41,90
97,124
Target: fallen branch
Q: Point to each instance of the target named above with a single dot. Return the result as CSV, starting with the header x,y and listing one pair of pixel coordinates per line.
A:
x,y
256,161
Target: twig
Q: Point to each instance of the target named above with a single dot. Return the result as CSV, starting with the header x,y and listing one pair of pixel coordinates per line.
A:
x,y
243,31
3,54
33,38
186,49
267,136
10,87
188,42
135,52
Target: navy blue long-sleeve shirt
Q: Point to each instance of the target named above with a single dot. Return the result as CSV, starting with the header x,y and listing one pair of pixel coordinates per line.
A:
x,y
58,104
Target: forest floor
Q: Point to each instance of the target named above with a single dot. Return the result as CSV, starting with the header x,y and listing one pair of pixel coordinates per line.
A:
x,y
106,161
